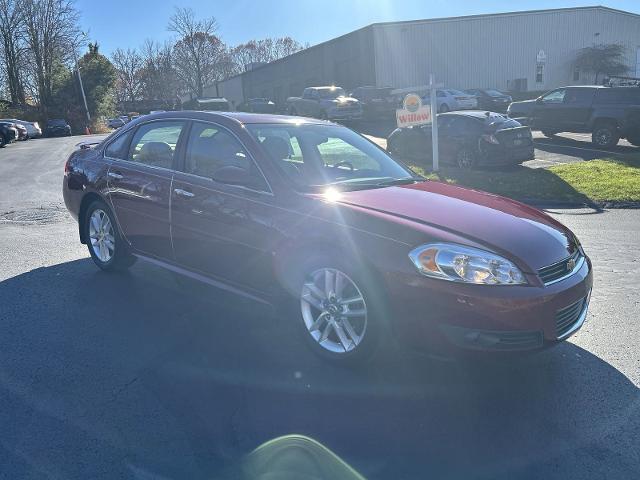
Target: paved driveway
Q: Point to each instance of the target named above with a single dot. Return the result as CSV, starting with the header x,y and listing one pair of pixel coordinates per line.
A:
x,y
131,376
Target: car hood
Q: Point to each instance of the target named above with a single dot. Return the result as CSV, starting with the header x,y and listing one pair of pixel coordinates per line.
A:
x,y
509,228
342,101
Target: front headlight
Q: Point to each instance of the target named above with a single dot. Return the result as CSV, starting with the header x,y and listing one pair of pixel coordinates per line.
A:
x,y
457,263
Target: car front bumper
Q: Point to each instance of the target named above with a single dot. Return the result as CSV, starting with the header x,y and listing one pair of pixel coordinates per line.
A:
x,y
338,114
450,318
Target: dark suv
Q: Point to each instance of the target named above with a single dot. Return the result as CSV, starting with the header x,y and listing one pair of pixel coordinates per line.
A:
x,y
608,113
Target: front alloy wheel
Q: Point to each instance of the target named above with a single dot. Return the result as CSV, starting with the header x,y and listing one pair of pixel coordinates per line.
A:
x,y
334,311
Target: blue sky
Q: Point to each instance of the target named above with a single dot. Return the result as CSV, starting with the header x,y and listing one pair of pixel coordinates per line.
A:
x,y
120,23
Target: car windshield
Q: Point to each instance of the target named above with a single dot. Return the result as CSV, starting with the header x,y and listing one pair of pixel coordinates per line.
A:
x,y
316,156
494,93
331,92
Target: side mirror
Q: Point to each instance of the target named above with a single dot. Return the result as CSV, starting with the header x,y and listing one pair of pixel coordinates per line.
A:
x,y
232,175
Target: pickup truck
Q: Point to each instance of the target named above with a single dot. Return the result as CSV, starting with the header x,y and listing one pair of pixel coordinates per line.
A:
x,y
608,113
327,103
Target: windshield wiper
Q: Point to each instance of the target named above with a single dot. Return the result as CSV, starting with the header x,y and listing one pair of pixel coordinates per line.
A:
x,y
399,181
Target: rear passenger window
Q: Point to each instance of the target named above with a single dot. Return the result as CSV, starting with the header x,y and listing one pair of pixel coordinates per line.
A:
x,y
119,147
155,143
622,95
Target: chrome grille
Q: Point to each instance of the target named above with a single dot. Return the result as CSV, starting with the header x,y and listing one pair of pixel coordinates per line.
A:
x,y
567,317
560,269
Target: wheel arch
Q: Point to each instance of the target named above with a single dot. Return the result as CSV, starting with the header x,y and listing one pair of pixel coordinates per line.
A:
x,y
290,255
605,121
87,200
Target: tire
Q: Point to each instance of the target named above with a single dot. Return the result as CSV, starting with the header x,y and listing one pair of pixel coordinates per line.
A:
x,y
292,111
466,158
3,141
323,115
605,135
107,248
444,108
352,339
549,133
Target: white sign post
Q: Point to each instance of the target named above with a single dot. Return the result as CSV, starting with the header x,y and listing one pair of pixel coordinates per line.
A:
x,y
434,122
414,113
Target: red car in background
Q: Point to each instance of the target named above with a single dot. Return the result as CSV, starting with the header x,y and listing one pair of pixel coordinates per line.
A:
x,y
312,216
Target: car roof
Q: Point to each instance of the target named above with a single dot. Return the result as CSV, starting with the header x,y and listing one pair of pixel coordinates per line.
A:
x,y
239,117
471,113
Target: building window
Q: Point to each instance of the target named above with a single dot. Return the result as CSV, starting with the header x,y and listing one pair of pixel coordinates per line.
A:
x,y
576,74
540,74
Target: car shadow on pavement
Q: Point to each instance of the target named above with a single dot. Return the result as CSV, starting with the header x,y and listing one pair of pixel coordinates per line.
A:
x,y
537,186
585,149
105,375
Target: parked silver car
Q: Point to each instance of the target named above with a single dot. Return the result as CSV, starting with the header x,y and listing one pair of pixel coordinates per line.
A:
x,y
449,100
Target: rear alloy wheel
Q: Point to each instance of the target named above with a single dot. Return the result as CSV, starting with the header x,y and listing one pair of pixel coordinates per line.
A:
x,y
106,247
444,108
466,158
605,135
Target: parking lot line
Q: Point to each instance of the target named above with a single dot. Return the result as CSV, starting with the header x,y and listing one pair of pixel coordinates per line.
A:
x,y
596,150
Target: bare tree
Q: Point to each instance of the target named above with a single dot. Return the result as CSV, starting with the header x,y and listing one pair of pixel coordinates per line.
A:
x,y
159,77
128,64
52,36
13,47
264,51
198,53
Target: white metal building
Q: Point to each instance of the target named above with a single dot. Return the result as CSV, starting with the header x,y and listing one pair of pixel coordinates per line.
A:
x,y
519,51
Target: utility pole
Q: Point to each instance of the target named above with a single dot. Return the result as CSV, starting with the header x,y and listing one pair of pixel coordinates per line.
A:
x,y
84,97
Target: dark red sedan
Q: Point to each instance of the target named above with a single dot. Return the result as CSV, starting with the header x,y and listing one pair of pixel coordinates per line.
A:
x,y
312,216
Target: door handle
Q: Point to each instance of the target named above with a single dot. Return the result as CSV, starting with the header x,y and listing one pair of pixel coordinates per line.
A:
x,y
183,193
116,176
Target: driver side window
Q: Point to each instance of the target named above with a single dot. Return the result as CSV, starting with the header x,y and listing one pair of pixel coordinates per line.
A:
x,y
557,96
210,148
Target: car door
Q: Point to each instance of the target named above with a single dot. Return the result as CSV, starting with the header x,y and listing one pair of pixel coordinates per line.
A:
x,y
446,136
221,229
577,108
547,110
139,186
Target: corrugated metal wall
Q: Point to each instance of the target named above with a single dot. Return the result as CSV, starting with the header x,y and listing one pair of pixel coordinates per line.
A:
x,y
346,61
494,51
231,89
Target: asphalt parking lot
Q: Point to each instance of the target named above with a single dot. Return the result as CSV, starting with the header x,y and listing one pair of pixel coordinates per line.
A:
x,y
132,376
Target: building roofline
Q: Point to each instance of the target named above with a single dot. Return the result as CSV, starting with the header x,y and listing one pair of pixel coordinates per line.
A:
x,y
504,14
435,20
